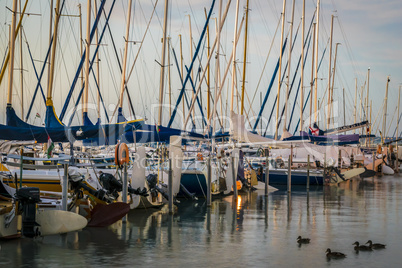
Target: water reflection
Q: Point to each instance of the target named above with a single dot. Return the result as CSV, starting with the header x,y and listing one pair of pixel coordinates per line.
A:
x,y
256,229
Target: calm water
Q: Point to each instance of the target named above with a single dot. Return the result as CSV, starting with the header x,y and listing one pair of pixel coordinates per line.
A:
x,y
255,231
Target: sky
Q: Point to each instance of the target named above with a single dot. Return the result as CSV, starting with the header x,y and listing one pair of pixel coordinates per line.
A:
x,y
369,33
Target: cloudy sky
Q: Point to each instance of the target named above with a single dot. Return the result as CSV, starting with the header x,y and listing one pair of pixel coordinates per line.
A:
x,y
369,33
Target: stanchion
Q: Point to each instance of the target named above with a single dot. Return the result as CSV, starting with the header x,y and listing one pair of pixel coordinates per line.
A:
x,y
21,165
234,179
125,186
209,181
289,173
170,182
64,188
308,172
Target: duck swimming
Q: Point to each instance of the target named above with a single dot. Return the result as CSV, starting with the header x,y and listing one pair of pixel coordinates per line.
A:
x,y
375,245
334,254
301,240
361,247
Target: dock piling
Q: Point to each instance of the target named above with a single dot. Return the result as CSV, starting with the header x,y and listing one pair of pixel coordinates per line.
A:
x,y
290,173
170,182
64,188
234,179
373,161
308,172
209,181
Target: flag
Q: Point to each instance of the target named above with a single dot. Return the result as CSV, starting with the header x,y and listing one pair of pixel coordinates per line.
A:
x,y
314,131
50,146
157,128
38,115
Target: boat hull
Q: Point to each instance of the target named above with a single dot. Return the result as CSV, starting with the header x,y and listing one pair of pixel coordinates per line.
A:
x,y
280,177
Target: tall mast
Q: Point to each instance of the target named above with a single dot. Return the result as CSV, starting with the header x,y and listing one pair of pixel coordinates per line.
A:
x,y
329,73
7,59
280,71
302,68
208,71
244,60
21,70
81,51
162,77
344,113
361,104
191,54
234,57
367,100
312,75
87,49
289,63
182,73
12,50
332,86
316,63
97,62
50,35
123,76
371,109
218,43
169,81
53,55
384,123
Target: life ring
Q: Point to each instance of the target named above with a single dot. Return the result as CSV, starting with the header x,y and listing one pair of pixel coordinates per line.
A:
x,y
379,149
200,157
121,154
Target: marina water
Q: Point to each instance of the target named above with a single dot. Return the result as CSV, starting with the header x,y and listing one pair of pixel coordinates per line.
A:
x,y
253,231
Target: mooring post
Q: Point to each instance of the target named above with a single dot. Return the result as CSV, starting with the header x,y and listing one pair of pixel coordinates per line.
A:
x,y
289,173
234,179
64,188
21,165
308,172
373,161
209,181
266,171
125,186
124,192
170,182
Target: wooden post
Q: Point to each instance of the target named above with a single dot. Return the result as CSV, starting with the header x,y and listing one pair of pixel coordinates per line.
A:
x,y
21,165
266,171
290,173
170,182
234,179
124,192
308,172
64,188
339,159
209,181
373,161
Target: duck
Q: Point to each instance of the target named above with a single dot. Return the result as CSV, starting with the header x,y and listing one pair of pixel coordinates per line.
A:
x,y
361,247
301,240
334,254
375,245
